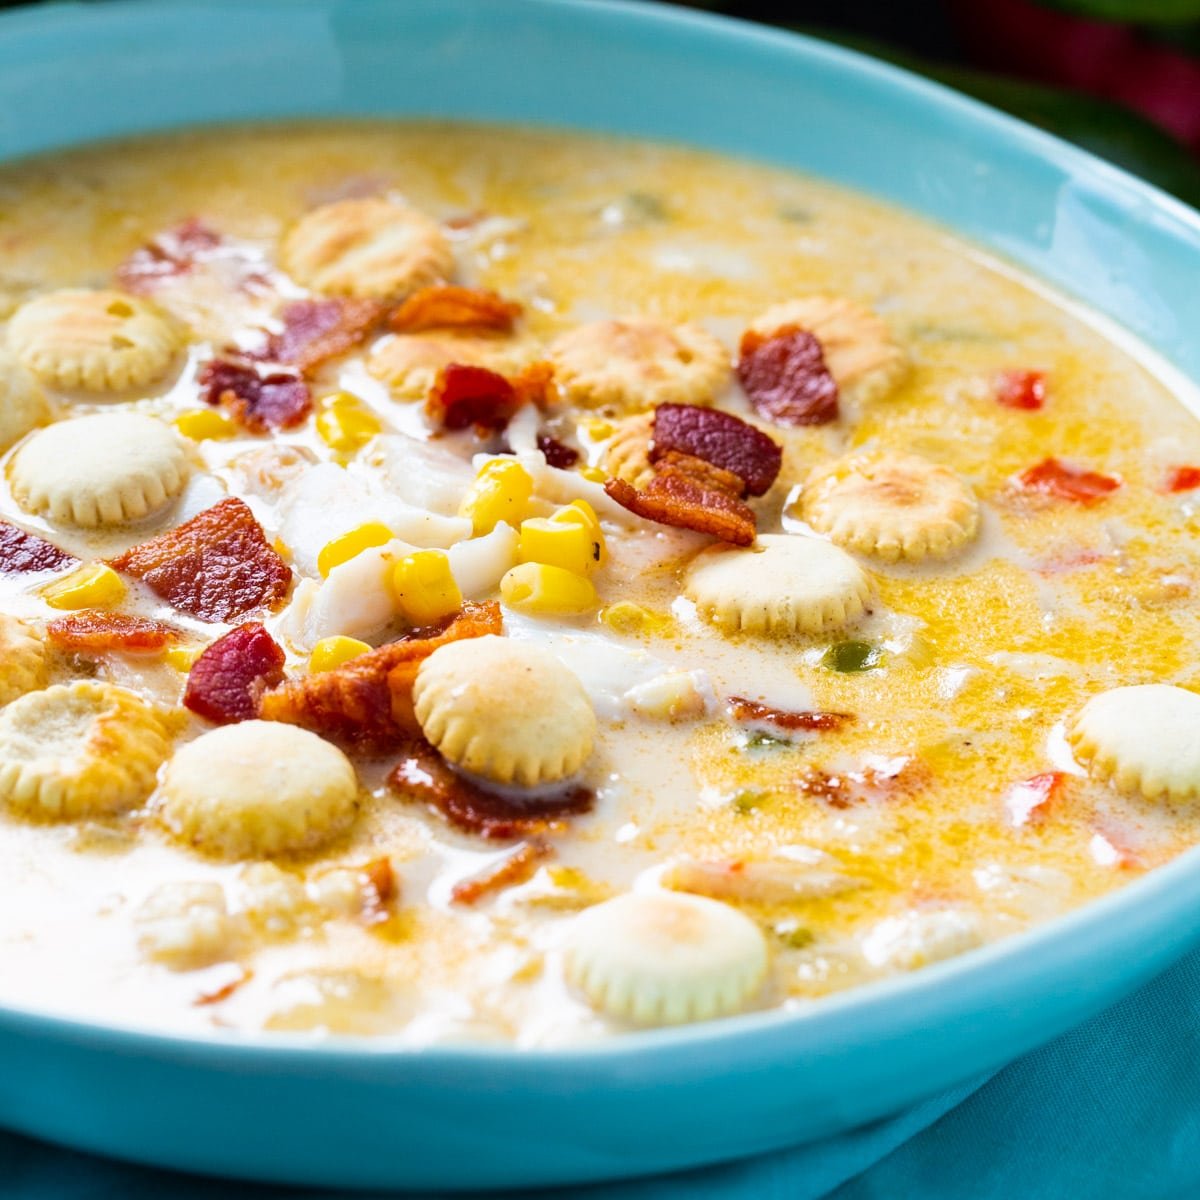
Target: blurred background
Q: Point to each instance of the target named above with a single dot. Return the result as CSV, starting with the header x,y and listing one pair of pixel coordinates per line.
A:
x,y
1120,77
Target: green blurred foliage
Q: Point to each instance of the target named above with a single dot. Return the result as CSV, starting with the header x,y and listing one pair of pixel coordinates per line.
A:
x,y
1139,12
1106,129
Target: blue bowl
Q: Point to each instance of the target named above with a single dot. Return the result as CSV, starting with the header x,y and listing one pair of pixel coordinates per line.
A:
x,y
360,1114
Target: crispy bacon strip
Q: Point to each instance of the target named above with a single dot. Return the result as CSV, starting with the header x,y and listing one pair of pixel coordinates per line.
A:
x,y
557,453
887,779
1064,482
217,566
535,384
445,306
1021,389
423,775
718,438
173,252
255,401
94,631
515,868
689,493
24,553
786,379
226,681
315,331
367,703
463,396
751,712
380,889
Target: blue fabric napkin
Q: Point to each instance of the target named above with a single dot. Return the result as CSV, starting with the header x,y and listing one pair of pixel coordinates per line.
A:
x,y
1111,1111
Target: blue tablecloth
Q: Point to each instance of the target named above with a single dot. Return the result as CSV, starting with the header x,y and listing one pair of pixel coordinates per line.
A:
x,y
1109,1112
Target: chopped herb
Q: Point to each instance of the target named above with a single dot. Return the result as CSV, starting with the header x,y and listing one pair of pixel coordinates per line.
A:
x,y
793,935
796,213
747,802
765,741
645,206
928,332
850,657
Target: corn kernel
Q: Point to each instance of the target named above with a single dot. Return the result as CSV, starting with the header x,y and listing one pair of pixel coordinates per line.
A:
x,y
565,544
91,586
201,423
593,474
501,492
628,618
344,423
540,589
424,588
182,658
581,513
578,512
349,545
596,428
331,652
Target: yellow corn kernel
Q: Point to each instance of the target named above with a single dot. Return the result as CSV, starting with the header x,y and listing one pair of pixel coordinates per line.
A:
x,y
201,423
581,513
558,544
182,658
344,423
596,428
331,652
593,474
424,588
90,586
540,589
349,545
627,617
501,492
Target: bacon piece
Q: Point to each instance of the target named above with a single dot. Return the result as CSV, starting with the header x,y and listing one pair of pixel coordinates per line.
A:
x,y
876,782
380,889
689,493
226,681
557,454
718,438
422,774
24,553
229,977
217,566
463,396
257,402
751,712
513,869
535,385
172,252
367,703
315,331
1028,800
1182,479
1021,389
445,306
786,379
1055,478
95,631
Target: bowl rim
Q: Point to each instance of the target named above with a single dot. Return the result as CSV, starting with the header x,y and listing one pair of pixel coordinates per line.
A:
x,y
922,994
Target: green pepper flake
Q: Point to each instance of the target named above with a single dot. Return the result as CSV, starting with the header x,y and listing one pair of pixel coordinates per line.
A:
x,y
747,802
645,206
765,741
849,657
794,935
